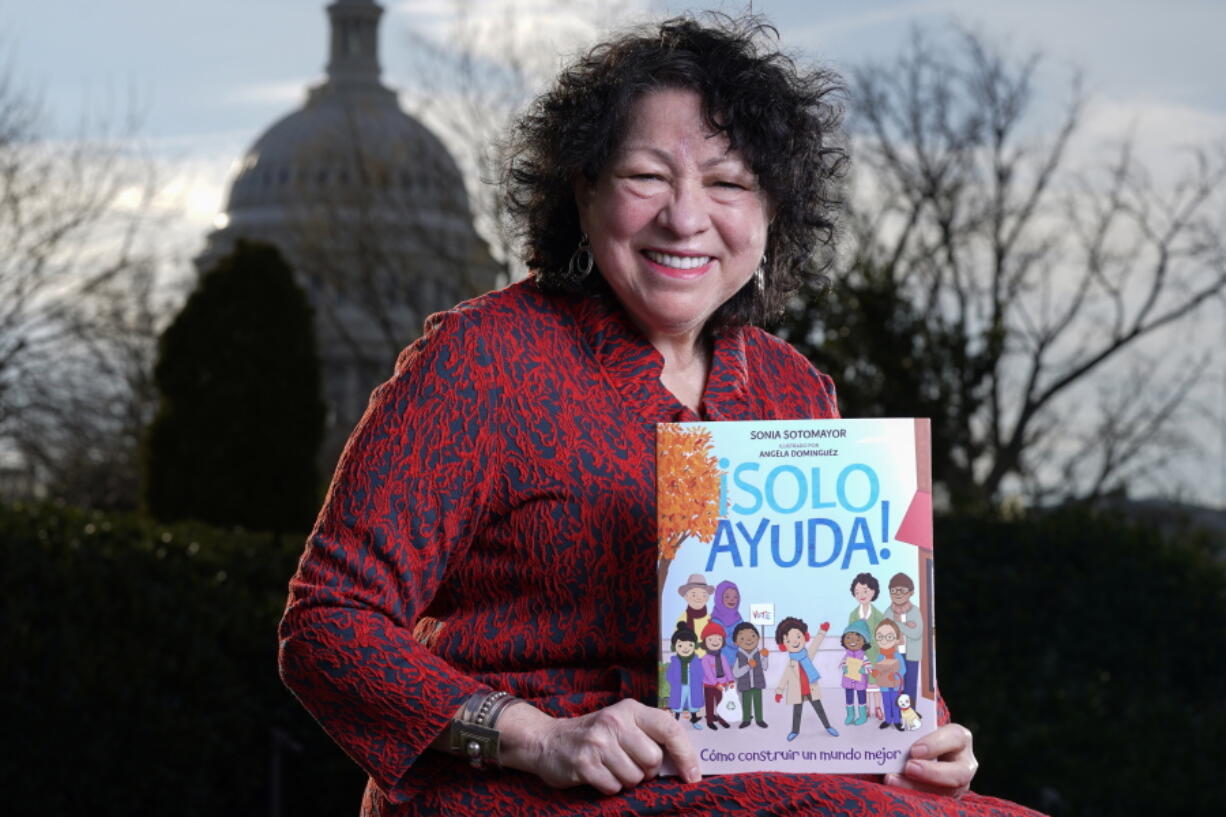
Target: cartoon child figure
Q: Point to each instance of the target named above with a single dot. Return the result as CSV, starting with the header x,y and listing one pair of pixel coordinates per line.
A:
x,y
725,608
888,671
684,676
750,672
865,589
799,681
856,667
907,616
716,673
696,593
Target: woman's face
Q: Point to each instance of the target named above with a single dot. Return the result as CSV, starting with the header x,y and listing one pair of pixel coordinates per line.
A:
x,y
731,597
862,593
676,220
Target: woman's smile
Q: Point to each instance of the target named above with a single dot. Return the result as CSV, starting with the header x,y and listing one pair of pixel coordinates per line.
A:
x,y
675,264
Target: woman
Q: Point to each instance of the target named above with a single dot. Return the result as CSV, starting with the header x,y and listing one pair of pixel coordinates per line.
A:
x,y
490,528
865,589
888,671
725,609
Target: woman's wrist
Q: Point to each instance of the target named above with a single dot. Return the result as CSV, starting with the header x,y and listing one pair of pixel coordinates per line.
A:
x,y
523,731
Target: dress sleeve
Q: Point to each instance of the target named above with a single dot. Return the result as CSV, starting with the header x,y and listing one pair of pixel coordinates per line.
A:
x,y
943,716
407,496
831,397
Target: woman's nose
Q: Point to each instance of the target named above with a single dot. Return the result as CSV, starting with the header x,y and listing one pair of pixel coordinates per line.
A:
x,y
686,212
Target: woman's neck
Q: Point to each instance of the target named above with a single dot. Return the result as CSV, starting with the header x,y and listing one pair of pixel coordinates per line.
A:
x,y
687,362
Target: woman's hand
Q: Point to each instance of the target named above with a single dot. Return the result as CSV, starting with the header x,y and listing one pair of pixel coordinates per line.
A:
x,y
612,749
942,763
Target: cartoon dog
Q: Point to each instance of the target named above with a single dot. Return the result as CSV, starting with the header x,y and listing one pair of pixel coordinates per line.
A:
x,y
910,718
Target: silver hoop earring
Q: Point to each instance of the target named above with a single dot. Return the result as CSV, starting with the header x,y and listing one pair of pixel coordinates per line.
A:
x,y
581,261
759,275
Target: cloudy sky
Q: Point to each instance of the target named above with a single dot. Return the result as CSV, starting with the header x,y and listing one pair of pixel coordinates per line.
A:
x,y
205,78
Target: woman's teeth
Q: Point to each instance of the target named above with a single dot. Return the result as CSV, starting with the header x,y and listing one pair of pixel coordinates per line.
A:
x,y
677,261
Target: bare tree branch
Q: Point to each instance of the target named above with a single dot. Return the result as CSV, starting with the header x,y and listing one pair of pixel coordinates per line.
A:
x,y
1024,277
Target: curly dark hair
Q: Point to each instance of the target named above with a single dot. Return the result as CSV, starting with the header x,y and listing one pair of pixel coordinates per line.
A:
x,y
787,625
785,122
869,581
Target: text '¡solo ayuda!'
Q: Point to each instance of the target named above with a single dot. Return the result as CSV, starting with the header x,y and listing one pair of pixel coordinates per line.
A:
x,y
786,490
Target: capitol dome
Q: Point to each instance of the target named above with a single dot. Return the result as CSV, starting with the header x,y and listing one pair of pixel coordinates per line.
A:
x,y
369,209
340,145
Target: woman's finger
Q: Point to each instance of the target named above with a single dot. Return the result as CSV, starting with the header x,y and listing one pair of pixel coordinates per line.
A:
x,y
643,749
597,775
943,761
624,768
614,740
946,740
666,733
948,774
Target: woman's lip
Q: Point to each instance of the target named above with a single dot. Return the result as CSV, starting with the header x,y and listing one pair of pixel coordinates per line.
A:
x,y
665,251
677,272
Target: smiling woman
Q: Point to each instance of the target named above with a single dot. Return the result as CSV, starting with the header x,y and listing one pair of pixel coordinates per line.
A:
x,y
677,225
752,124
481,579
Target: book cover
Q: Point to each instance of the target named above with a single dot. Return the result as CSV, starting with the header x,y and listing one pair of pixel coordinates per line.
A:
x,y
795,592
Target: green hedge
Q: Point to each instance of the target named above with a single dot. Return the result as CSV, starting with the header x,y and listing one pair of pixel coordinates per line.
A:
x,y
1087,656
141,670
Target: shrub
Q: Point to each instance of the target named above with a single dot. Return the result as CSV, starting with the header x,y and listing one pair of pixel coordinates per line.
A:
x,y
240,419
140,666
1085,653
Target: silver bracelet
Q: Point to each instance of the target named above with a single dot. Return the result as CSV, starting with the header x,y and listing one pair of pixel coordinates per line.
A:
x,y
472,732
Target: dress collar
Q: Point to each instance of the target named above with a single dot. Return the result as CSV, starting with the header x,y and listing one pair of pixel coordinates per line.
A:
x,y
633,365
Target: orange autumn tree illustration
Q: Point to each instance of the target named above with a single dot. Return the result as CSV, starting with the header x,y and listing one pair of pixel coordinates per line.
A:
x,y
687,475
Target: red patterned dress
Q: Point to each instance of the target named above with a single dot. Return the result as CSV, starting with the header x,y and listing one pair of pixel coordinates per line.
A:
x,y
492,525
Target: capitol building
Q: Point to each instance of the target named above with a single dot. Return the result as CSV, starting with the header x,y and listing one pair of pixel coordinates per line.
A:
x,y
368,208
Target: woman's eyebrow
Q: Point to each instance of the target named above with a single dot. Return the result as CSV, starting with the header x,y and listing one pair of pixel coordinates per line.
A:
x,y
728,157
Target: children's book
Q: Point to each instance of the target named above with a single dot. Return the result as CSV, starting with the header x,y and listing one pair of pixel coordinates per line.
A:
x,y
795,592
